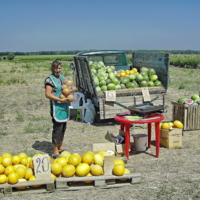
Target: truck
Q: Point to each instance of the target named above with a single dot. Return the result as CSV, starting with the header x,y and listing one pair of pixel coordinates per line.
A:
x,y
123,98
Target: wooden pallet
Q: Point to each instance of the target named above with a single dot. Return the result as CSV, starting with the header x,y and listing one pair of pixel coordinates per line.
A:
x,y
10,189
103,181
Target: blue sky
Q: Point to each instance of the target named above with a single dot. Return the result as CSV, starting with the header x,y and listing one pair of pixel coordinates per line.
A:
x,y
45,25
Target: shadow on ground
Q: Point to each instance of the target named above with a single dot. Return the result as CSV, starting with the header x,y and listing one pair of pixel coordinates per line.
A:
x,y
43,146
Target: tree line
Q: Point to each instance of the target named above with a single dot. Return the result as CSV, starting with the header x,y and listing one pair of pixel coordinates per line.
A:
x,y
73,52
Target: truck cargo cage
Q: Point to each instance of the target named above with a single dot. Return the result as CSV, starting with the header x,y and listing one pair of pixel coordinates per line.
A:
x,y
85,82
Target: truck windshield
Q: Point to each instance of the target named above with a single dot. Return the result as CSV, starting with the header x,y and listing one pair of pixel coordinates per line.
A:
x,y
95,58
111,59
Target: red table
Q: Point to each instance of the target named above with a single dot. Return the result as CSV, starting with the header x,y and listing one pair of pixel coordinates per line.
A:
x,y
125,126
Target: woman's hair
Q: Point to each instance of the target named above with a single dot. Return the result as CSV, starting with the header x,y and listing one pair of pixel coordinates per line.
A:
x,y
55,64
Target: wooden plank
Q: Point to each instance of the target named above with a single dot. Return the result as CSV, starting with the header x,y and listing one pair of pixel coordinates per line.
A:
x,y
103,181
134,91
46,186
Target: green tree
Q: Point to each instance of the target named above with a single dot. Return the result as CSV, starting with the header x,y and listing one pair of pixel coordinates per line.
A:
x,y
10,56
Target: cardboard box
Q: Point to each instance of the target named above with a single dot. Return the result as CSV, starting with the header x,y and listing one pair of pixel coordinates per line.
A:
x,y
112,145
171,139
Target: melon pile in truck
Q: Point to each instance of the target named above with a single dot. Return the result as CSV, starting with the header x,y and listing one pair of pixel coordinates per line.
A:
x,y
107,78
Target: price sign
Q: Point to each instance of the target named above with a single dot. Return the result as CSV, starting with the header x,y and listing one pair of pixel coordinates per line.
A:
x,y
146,95
42,167
110,95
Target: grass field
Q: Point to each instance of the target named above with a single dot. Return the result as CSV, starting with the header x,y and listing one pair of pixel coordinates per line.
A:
x,y
25,126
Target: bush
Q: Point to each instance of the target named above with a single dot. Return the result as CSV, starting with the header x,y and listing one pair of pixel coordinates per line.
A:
x,y
10,56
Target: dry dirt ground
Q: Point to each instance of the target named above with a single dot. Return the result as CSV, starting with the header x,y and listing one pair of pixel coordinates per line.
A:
x,y
25,126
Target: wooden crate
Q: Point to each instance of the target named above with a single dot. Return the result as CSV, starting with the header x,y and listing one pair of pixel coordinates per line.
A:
x,y
10,189
188,114
103,181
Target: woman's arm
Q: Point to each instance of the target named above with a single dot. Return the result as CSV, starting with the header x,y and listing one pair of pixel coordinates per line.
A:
x,y
49,95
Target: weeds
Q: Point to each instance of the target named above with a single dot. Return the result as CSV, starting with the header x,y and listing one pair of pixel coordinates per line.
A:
x,y
37,128
1,114
182,86
39,118
3,132
14,81
20,117
166,193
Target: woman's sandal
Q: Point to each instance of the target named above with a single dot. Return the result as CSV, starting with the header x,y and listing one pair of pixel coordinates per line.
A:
x,y
55,156
61,150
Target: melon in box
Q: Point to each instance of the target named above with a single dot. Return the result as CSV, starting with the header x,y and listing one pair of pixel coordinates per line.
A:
x,y
171,138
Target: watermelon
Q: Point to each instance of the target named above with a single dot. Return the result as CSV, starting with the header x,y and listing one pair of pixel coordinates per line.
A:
x,y
146,78
108,81
144,69
101,78
153,77
198,102
138,77
195,104
102,82
143,73
118,87
157,83
130,85
143,83
111,75
182,100
103,88
96,81
111,86
124,80
98,89
150,83
195,96
188,101
115,81
151,71
122,86
131,77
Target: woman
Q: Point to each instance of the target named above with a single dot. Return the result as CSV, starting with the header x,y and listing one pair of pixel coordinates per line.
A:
x,y
58,107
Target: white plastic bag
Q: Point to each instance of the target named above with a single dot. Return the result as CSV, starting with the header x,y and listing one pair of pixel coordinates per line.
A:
x,y
90,112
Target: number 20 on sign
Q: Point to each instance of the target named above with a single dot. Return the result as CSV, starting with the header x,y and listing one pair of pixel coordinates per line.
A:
x,y
42,167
